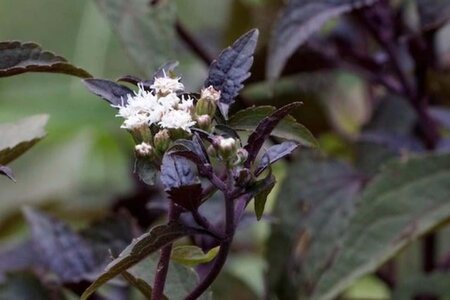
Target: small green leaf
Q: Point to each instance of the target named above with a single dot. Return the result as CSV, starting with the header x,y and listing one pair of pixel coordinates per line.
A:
x,y
193,255
140,248
261,190
17,138
288,128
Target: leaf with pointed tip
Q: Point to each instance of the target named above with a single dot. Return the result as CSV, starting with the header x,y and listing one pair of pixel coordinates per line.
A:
x,y
264,130
275,153
261,191
406,200
16,138
139,249
60,249
147,32
112,92
192,255
433,13
247,120
298,20
17,58
4,170
231,68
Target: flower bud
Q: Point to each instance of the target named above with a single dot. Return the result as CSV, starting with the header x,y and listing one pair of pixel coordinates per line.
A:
x,y
207,103
227,148
141,133
210,93
143,150
162,141
204,122
243,176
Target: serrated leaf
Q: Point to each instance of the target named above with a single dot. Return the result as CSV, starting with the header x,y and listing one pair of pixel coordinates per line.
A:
x,y
298,20
17,58
26,286
261,191
312,210
288,128
264,129
435,284
433,13
145,170
60,249
140,248
231,68
110,91
275,153
4,170
405,201
147,32
192,255
17,138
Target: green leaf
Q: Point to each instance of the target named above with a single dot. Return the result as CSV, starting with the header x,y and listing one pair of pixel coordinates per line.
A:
x,y
261,191
298,20
140,248
146,31
433,13
288,128
16,138
17,58
312,210
409,198
193,255
435,284
145,170
26,286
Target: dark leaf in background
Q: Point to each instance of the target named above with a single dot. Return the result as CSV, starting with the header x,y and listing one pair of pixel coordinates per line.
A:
x,y
60,249
407,199
18,137
311,214
275,153
433,13
441,115
264,130
288,128
298,20
180,181
435,284
227,282
4,170
231,68
112,92
145,170
17,58
16,257
26,286
139,249
396,143
147,32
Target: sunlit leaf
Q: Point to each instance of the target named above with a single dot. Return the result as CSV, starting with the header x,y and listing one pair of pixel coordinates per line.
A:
x,y
192,255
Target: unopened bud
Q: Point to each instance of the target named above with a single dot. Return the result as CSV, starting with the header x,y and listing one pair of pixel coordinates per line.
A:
x,y
162,141
204,122
210,93
143,150
207,103
141,133
227,148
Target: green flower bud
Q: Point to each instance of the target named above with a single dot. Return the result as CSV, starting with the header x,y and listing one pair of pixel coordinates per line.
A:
x,y
204,122
207,103
227,148
141,134
143,150
162,141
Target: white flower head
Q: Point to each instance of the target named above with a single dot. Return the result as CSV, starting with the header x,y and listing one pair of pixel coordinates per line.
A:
x,y
143,149
186,104
210,94
177,119
164,85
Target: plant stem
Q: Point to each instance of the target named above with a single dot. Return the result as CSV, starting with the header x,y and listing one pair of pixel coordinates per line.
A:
x,y
164,259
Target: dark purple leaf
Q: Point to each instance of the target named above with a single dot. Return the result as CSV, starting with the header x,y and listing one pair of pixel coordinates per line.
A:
x,y
264,129
112,92
16,257
227,130
17,58
433,13
274,153
231,68
298,20
130,79
59,248
441,115
4,170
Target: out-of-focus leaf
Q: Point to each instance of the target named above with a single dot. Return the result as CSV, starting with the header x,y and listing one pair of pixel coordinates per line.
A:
x,y
312,211
264,129
231,68
17,58
16,257
275,153
288,128
140,248
146,31
59,248
406,200
4,170
300,19
435,284
26,286
394,142
441,115
227,282
180,181
261,191
112,92
16,138
193,255
433,13
145,170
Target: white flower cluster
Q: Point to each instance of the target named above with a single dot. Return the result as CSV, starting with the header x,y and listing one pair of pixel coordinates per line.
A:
x,y
162,106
